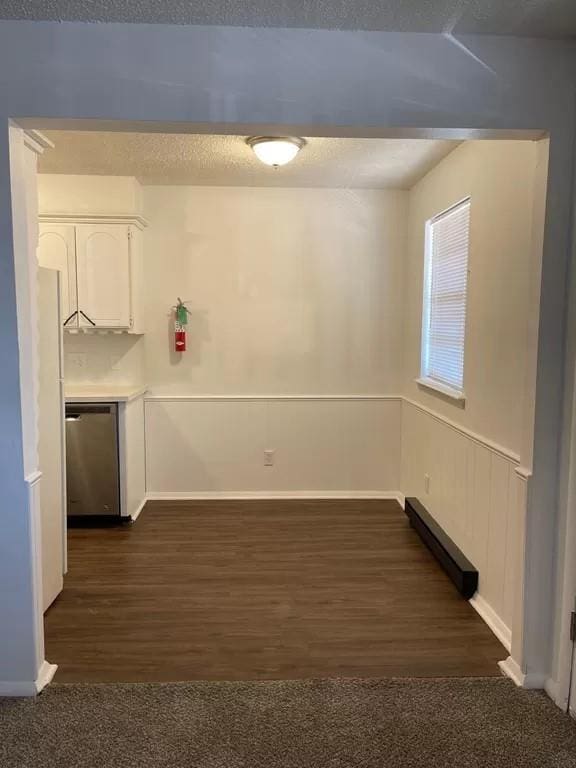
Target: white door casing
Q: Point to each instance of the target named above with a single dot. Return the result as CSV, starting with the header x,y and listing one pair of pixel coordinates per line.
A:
x,y
572,701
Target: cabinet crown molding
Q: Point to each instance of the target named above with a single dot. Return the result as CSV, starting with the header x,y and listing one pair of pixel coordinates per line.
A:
x,y
94,218
37,141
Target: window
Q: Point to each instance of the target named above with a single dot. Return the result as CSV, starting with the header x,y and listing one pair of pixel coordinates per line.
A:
x,y
444,314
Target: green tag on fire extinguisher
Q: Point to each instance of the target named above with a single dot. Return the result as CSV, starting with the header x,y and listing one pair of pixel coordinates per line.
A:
x,y
181,313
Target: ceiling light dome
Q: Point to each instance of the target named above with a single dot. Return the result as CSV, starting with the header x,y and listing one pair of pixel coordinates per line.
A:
x,y
275,150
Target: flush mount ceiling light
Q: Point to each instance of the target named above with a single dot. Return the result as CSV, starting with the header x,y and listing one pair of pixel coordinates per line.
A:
x,y
275,150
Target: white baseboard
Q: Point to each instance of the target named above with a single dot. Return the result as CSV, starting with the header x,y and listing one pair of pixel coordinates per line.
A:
x,y
136,514
511,669
238,495
29,687
530,680
46,675
496,624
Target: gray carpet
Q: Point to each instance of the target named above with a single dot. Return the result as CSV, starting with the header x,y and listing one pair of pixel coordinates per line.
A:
x,y
481,723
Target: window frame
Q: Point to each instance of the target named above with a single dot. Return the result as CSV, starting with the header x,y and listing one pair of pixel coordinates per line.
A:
x,y
425,380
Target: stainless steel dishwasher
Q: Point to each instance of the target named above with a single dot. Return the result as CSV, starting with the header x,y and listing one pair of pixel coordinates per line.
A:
x,y
92,459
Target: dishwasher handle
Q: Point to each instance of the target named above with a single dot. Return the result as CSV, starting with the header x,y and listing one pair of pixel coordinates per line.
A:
x,y
75,411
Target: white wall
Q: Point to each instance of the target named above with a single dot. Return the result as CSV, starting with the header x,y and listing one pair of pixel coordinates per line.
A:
x,y
92,358
469,455
293,292
499,177
76,194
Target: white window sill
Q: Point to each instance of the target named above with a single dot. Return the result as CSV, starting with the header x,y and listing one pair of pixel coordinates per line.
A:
x,y
443,389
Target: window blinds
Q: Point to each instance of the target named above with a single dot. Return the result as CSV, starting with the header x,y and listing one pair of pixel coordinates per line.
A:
x,y
444,318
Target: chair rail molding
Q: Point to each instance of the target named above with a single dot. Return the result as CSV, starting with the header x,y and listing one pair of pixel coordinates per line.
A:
x,y
151,397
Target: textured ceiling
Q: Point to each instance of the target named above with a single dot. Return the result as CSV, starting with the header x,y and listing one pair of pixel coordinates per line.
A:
x,y
531,18
157,158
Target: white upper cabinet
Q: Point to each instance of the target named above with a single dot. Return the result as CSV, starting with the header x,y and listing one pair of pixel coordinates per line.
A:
x,y
101,266
57,250
103,275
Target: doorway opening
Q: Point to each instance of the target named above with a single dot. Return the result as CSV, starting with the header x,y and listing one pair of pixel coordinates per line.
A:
x,y
266,466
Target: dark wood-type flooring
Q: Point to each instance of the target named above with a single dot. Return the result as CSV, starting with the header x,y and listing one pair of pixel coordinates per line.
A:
x,y
261,590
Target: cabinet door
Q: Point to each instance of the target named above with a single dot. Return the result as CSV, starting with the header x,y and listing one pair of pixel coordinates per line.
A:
x,y
56,250
103,275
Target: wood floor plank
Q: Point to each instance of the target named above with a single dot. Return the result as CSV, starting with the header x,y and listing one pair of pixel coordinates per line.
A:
x,y
236,590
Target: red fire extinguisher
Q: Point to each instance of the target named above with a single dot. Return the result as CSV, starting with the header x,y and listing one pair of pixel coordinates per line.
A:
x,y
180,337
180,323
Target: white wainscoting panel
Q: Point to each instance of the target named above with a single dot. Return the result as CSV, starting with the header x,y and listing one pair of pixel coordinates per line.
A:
x,y
475,494
216,445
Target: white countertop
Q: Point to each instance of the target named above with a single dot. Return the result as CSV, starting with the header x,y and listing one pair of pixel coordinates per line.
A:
x,y
103,393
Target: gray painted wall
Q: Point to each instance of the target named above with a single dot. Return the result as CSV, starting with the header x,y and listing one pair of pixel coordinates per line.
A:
x,y
18,622
363,83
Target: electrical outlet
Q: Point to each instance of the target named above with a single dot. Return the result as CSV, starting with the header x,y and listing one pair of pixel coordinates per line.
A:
x,y
269,458
427,483
77,360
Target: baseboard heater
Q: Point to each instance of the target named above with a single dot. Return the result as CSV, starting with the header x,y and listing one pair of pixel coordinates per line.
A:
x,y
456,565
96,521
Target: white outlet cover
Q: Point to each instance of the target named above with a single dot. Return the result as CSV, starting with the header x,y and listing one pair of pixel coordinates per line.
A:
x,y
269,458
